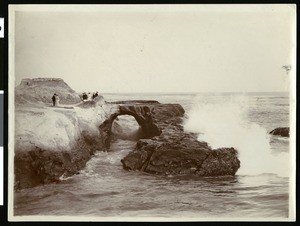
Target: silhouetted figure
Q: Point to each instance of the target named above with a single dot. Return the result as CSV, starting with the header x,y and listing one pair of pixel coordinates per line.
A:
x,y
54,99
95,94
84,96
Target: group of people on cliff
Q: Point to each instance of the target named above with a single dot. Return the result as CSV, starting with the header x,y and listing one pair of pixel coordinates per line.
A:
x,y
84,97
88,96
55,99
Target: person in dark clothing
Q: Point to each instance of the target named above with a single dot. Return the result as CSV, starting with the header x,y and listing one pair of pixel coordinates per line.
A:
x,y
95,94
54,99
84,96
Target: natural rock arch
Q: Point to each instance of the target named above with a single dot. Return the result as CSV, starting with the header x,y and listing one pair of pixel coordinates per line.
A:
x,y
126,127
142,115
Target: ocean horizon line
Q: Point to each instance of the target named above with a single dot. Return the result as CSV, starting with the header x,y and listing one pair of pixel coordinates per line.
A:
x,y
192,93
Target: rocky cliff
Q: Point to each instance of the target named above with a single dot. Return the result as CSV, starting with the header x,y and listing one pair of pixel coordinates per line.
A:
x,y
53,142
41,90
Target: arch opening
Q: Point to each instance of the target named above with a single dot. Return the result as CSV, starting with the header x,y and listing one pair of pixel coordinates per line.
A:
x,y
126,127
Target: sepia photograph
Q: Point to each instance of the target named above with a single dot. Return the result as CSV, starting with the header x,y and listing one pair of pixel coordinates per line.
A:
x,y
152,112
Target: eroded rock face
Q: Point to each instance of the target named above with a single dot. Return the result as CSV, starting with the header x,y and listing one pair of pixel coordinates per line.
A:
x,y
37,166
42,89
54,142
281,131
176,152
150,116
167,148
186,157
181,154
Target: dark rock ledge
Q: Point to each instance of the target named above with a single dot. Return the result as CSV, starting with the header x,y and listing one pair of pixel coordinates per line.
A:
x,y
281,131
176,152
35,165
165,148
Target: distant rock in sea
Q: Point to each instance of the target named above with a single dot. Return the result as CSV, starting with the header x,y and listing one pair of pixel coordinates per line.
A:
x,y
42,89
281,131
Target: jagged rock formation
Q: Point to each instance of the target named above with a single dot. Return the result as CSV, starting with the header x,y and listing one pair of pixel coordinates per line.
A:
x,y
151,116
141,113
37,166
281,131
181,157
51,142
42,89
176,152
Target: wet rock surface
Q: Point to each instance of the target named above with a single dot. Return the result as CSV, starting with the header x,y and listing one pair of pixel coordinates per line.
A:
x,y
151,116
34,165
176,152
281,131
55,142
38,166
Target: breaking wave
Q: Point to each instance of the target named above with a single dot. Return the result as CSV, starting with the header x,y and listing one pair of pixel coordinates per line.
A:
x,y
224,122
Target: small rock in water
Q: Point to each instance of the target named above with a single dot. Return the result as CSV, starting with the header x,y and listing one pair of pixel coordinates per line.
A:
x,y
281,131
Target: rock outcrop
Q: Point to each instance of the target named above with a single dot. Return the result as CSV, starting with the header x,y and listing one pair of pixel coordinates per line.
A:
x,y
152,116
36,166
185,156
42,89
281,131
176,152
53,142
143,113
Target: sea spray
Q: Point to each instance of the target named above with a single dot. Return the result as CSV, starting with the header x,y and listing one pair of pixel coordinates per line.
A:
x,y
222,121
105,189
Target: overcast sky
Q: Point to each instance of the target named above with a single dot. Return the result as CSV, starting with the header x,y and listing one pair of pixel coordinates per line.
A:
x,y
157,49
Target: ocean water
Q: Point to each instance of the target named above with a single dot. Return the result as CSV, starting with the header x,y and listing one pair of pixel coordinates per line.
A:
x,y
260,189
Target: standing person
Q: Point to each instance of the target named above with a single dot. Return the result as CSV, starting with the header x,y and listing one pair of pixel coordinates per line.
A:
x,y
54,99
84,96
95,94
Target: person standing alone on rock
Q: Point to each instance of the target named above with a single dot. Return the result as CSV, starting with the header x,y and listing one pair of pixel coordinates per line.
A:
x,y
54,99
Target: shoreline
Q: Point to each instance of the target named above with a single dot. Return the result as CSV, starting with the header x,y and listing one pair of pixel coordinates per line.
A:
x,y
51,142
55,141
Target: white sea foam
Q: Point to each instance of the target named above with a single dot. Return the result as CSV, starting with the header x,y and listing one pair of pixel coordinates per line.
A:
x,y
223,122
